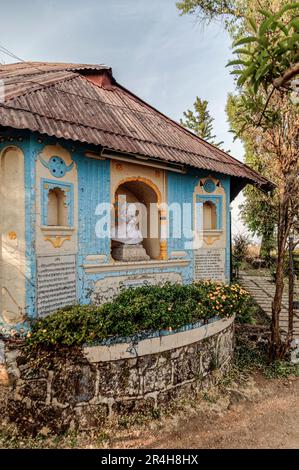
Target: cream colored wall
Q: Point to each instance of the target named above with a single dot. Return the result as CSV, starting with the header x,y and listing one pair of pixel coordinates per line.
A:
x,y
209,216
60,240
12,239
211,238
57,213
122,171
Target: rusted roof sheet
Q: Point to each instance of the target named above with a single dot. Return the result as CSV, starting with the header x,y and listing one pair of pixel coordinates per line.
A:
x,y
70,101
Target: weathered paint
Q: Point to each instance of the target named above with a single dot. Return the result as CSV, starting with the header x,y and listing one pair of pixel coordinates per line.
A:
x,y
91,180
217,200
181,190
93,189
30,147
67,188
12,259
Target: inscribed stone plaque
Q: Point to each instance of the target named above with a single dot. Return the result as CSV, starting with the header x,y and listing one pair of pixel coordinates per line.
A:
x,y
209,264
135,283
56,283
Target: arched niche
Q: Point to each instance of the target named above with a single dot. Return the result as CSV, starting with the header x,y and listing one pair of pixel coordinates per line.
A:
x,y
147,199
57,213
12,244
209,216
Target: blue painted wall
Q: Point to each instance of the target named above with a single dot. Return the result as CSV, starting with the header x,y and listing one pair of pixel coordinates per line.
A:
x,y
180,190
94,188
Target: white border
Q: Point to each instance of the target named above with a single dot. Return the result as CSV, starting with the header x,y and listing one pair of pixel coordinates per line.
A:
x,y
156,345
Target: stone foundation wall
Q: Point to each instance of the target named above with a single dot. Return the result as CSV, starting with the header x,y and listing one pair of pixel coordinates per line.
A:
x,y
72,389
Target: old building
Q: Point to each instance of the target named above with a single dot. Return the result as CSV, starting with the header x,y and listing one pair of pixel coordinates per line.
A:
x,y
74,146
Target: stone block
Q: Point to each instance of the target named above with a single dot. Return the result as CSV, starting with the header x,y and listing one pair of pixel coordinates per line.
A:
x,y
175,393
31,420
157,377
117,379
187,366
90,416
127,407
129,253
35,390
74,384
28,372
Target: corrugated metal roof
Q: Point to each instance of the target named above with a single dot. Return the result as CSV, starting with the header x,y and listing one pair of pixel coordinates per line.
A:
x,y
68,101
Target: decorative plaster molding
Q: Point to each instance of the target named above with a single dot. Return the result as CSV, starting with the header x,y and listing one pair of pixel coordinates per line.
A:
x,y
163,250
130,266
57,228
57,241
141,179
12,235
210,239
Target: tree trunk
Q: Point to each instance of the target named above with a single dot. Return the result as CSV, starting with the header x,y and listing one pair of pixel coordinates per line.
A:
x,y
276,346
266,247
291,293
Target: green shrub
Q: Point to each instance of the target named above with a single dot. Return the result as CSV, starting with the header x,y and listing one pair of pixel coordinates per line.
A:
x,y
240,247
138,310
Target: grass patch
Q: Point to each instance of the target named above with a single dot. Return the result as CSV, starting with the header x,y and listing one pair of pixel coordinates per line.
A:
x,y
253,356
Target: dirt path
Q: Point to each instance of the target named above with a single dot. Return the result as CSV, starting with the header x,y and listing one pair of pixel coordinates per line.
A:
x,y
268,419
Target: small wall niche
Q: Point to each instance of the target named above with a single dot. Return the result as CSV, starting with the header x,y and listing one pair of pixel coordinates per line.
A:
x,y
208,212
57,201
209,216
57,208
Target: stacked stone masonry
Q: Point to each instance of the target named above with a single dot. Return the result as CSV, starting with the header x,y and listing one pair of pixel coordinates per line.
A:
x,y
68,391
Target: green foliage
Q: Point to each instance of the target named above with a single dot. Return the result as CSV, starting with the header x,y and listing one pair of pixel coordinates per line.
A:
x,y
134,311
272,50
240,246
251,356
200,121
281,369
230,12
249,313
259,211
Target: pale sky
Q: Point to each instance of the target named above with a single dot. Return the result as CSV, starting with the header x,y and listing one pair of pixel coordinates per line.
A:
x,y
164,58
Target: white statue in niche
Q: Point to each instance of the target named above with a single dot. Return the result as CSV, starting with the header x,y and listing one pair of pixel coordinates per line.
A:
x,y
127,230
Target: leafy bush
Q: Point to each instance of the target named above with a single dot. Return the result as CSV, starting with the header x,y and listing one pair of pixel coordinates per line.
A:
x,y
240,247
142,309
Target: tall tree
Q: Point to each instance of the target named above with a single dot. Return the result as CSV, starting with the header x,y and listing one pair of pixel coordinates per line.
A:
x,y
259,211
272,58
265,34
200,121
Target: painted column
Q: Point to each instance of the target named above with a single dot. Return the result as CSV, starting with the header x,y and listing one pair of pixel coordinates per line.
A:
x,y
163,233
